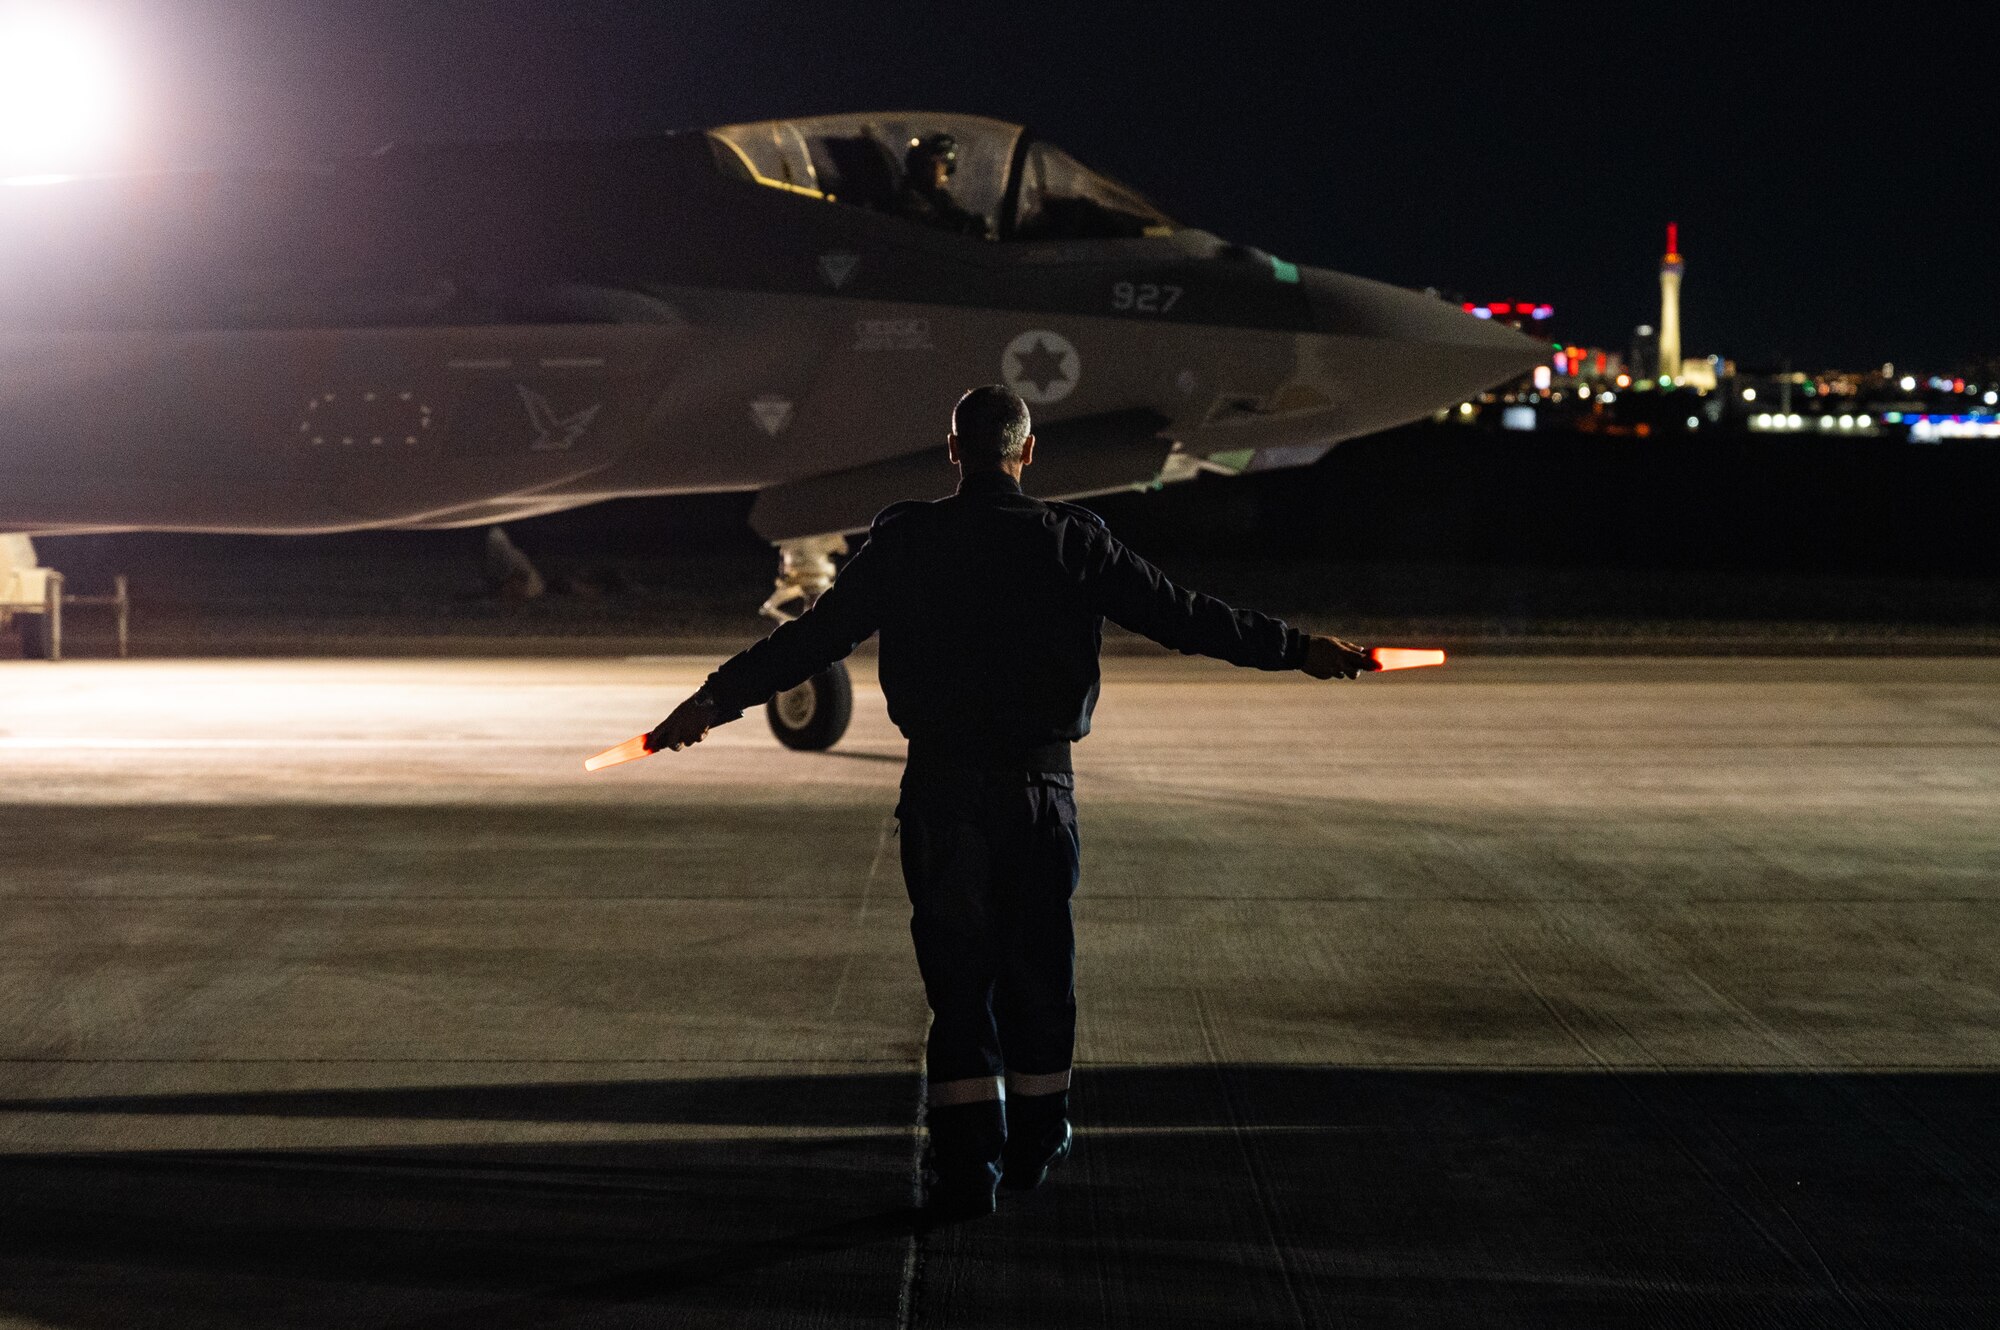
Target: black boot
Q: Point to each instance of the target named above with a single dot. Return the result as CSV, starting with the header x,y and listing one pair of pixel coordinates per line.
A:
x,y
1038,1138
963,1161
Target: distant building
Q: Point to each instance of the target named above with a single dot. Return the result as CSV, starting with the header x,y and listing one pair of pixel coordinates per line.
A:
x,y
1671,268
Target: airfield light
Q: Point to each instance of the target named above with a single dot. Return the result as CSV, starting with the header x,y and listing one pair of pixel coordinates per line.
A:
x,y
1404,658
1908,383
60,95
1749,394
1862,421
1992,398
630,751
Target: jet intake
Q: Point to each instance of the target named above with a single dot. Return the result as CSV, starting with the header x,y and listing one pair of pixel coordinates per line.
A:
x,y
1073,458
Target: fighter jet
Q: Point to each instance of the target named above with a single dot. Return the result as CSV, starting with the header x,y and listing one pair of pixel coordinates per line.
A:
x,y
451,336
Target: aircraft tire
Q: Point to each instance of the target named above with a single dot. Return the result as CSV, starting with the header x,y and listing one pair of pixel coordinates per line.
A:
x,y
813,716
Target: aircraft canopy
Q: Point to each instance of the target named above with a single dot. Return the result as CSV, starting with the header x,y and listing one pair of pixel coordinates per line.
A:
x,y
1018,187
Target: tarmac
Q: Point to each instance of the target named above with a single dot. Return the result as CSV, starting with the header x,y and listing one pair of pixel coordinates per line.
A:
x,y
1525,992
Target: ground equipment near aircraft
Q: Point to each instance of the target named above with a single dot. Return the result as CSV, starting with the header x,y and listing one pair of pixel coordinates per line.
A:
x,y
460,336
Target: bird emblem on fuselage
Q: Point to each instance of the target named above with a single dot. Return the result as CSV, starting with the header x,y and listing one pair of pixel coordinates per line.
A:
x,y
554,433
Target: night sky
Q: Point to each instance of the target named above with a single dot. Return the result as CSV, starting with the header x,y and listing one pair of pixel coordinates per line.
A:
x,y
1828,177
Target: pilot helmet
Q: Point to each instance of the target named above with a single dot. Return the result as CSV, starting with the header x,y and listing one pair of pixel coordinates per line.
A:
x,y
935,147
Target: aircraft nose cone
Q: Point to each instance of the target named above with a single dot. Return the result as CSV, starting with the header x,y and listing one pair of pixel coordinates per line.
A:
x,y
1350,306
1392,355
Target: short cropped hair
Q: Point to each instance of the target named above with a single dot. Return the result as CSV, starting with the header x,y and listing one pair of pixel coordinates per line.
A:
x,y
991,424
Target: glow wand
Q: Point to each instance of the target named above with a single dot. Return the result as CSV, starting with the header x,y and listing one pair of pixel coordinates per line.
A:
x,y
630,751
1404,658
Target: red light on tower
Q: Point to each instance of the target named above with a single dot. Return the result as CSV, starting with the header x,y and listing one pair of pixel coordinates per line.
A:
x,y
1673,241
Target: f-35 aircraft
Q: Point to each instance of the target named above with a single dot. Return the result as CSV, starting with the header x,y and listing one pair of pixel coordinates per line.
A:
x,y
466,335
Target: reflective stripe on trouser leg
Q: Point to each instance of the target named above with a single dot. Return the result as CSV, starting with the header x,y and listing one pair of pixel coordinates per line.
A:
x,y
1033,1083
970,1090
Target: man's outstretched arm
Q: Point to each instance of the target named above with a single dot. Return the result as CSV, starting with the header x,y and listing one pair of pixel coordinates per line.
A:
x,y
1134,594
839,621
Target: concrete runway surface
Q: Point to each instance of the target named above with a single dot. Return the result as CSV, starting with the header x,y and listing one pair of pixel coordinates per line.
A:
x,y
1521,993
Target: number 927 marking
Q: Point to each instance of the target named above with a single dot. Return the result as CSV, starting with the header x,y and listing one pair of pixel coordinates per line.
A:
x,y
1144,297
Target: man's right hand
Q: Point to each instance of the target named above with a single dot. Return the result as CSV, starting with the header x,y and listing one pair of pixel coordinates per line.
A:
x,y
1331,658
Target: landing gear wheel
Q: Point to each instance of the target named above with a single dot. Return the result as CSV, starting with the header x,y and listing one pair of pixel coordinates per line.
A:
x,y
813,716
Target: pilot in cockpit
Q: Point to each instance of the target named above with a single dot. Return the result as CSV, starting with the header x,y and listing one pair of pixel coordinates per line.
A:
x,y
925,195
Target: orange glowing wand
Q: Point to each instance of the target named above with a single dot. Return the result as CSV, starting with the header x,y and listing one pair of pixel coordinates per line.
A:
x,y
1404,658
630,751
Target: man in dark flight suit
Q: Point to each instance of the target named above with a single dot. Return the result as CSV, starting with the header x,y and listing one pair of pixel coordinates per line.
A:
x,y
991,605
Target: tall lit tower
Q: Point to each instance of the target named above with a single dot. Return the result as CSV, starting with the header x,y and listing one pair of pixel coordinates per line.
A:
x,y
1670,306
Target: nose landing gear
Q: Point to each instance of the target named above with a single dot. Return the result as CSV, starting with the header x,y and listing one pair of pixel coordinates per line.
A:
x,y
812,717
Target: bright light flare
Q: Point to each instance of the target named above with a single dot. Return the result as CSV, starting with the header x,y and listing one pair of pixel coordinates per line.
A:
x,y
62,95
630,751
1405,658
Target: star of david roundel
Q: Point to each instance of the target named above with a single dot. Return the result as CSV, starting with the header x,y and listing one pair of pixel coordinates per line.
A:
x,y
1042,366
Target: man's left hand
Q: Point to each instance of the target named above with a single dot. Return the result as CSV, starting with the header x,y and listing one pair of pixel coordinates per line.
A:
x,y
689,724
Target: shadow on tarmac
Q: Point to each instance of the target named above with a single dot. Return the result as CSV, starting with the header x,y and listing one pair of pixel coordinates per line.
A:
x,y
1203,1195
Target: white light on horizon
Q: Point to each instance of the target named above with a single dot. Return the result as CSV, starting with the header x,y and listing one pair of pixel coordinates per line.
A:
x,y
62,96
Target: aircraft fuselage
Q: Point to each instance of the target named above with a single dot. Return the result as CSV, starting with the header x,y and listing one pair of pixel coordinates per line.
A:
x,y
462,335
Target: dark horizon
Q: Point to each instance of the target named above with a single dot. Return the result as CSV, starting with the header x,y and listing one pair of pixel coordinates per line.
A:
x,y
1502,157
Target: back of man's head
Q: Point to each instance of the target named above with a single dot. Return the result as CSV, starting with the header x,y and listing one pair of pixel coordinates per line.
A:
x,y
992,425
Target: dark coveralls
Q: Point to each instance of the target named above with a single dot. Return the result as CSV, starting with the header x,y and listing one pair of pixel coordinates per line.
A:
x,y
991,607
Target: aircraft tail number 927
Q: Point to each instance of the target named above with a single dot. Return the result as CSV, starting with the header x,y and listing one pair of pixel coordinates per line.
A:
x,y
1144,297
